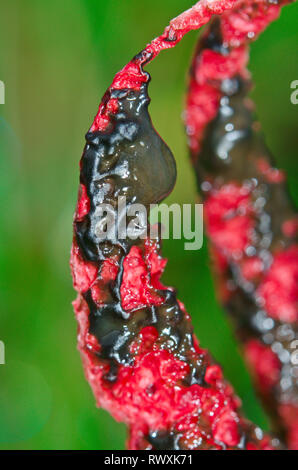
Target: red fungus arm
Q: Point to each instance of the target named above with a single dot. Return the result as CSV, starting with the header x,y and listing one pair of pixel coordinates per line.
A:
x,y
136,340
250,219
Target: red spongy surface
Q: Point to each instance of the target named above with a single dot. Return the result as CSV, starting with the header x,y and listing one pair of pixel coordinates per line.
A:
x,y
278,291
133,76
232,233
151,394
230,207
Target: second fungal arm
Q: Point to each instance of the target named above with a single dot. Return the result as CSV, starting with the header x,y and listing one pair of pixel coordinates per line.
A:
x,y
250,219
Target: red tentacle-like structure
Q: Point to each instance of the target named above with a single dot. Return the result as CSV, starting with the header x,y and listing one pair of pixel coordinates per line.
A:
x,y
136,340
250,219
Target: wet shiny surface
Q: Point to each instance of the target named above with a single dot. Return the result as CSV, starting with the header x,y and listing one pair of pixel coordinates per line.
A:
x,y
128,159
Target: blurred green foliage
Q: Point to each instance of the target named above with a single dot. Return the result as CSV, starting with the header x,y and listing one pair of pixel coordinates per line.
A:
x,y
56,60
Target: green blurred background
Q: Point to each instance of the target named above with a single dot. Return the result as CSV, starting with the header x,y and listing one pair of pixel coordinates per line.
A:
x,y
56,60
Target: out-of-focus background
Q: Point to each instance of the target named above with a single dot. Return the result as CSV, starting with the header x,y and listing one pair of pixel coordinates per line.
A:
x,y
56,60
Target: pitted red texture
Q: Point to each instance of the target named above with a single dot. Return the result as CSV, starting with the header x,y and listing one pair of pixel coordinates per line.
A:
x,y
248,20
204,95
202,107
278,291
215,66
109,269
151,394
83,206
107,107
231,233
243,22
84,273
229,216
132,75
136,288
108,273
156,264
264,364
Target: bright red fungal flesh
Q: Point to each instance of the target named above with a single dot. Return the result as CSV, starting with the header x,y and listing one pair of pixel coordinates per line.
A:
x,y
229,216
136,289
163,385
278,290
250,220
264,363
